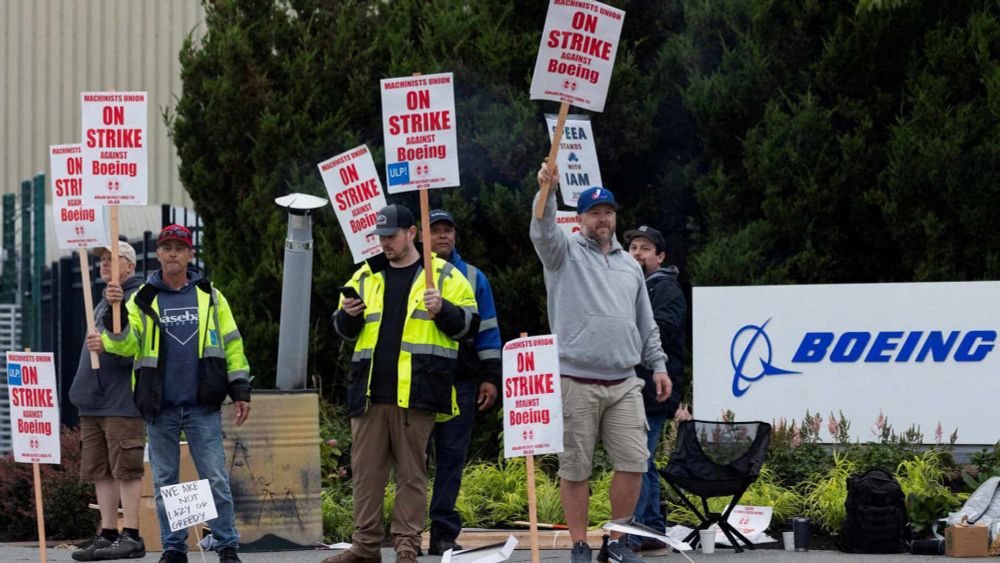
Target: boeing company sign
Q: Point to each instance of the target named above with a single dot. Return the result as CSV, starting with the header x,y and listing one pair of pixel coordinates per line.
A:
x,y
920,353
752,343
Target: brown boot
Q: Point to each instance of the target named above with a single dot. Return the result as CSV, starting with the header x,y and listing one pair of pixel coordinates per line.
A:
x,y
406,557
350,557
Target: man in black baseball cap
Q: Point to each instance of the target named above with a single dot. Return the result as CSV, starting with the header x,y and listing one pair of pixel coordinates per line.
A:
x,y
648,246
402,369
396,230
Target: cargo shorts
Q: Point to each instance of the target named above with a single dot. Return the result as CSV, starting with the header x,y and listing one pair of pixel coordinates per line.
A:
x,y
111,447
616,413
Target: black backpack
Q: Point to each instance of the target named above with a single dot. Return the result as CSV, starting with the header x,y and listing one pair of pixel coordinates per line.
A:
x,y
876,514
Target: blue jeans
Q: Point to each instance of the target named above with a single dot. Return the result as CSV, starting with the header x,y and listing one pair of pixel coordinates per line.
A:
x,y
450,442
203,428
647,508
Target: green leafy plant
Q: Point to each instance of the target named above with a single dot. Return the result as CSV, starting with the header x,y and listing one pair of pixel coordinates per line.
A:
x,y
64,497
338,516
825,494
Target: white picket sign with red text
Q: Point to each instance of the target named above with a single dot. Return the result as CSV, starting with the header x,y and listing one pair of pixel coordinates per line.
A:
x,y
532,397
78,224
356,194
418,121
577,53
115,136
34,407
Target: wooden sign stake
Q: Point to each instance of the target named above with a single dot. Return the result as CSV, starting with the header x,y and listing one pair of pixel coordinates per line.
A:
x,y
532,502
88,302
550,163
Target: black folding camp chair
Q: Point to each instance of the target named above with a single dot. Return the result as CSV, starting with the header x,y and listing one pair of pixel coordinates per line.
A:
x,y
716,459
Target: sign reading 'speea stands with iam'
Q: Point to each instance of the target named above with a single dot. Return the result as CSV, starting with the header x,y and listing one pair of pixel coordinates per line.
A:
x,y
418,120
577,53
114,148
356,195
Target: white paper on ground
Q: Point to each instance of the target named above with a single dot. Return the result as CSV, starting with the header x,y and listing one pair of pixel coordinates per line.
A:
x,y
630,526
679,532
494,553
340,545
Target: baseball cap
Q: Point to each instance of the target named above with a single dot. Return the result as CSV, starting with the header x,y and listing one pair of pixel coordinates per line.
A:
x,y
125,250
595,196
391,219
650,233
441,215
175,232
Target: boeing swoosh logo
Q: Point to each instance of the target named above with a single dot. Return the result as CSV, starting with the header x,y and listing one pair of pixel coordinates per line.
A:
x,y
766,368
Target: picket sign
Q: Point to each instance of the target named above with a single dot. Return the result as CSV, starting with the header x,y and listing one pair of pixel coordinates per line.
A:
x,y
114,132
579,168
34,420
575,59
78,224
420,128
187,505
356,195
532,406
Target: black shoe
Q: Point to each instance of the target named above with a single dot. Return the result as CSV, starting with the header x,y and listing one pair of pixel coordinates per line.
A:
x,y
228,555
87,553
125,547
580,553
439,546
173,556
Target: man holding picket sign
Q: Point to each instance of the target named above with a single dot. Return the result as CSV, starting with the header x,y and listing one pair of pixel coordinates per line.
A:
x,y
597,300
112,433
599,308
189,355
406,337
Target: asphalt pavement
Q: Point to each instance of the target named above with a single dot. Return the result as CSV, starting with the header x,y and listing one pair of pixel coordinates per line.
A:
x,y
15,554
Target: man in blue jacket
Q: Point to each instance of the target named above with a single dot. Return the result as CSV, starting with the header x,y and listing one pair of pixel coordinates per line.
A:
x,y
477,379
648,247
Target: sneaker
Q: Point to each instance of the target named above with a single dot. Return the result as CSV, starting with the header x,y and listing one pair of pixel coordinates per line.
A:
x,y
228,555
617,552
125,547
87,553
580,553
349,557
439,546
174,556
406,557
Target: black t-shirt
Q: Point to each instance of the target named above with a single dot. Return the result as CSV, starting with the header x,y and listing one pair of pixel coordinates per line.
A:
x,y
385,359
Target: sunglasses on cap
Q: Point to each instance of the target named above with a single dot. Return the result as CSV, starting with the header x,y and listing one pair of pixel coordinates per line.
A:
x,y
175,232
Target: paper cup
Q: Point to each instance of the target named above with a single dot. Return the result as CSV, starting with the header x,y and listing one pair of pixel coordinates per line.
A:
x,y
789,539
707,539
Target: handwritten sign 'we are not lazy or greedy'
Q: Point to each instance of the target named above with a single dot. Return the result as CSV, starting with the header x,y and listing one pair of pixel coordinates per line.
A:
x,y
187,504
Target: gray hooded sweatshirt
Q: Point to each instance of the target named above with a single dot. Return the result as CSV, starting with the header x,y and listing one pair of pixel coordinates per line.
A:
x,y
106,391
597,304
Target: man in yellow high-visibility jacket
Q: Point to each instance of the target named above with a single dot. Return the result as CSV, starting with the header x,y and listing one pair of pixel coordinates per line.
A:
x,y
406,345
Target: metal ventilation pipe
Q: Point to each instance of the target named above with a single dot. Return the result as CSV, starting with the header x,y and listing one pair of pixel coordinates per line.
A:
x,y
296,290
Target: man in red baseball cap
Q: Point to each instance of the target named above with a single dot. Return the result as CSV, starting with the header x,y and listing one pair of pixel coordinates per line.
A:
x,y
189,352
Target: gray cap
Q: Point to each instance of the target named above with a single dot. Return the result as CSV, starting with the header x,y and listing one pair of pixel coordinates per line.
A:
x,y
391,219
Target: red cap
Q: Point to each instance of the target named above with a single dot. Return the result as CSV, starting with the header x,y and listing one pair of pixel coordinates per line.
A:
x,y
175,232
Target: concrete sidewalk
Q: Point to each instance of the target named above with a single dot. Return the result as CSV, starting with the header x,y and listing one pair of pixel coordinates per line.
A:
x,y
10,554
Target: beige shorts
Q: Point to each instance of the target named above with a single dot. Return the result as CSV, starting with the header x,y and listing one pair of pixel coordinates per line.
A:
x,y
111,448
616,413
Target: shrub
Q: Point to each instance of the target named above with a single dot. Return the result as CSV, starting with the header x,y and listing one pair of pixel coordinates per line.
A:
x,y
338,512
64,497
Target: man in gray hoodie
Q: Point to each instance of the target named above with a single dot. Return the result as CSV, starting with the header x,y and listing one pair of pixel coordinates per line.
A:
x,y
112,433
599,309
